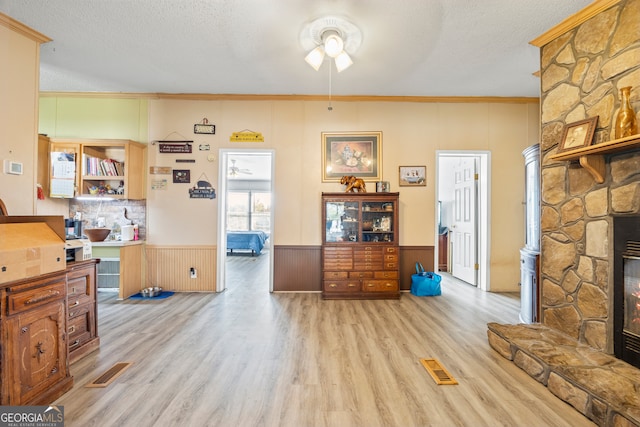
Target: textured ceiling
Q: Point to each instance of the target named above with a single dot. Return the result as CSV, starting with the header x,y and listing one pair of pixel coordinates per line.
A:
x,y
409,47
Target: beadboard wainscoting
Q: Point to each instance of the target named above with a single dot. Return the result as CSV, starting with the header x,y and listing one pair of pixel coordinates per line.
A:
x,y
409,255
170,268
298,268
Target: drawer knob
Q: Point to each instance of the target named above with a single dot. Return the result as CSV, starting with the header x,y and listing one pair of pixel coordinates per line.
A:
x,y
333,285
72,329
76,303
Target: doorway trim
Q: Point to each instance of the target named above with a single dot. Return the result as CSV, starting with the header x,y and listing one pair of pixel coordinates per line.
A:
x,y
223,159
483,206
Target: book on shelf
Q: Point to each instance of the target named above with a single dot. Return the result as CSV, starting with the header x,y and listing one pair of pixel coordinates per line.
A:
x,y
93,166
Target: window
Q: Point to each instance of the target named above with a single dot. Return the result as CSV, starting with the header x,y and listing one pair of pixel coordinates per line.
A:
x,y
248,210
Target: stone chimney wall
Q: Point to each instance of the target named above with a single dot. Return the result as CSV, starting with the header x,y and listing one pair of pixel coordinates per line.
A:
x,y
581,74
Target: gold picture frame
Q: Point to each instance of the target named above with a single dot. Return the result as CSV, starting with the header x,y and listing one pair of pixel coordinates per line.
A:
x,y
578,134
351,153
412,176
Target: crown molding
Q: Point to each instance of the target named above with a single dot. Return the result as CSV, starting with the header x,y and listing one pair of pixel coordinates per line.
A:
x,y
573,21
323,98
19,27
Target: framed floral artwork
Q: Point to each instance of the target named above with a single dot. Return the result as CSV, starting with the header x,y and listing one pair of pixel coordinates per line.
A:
x,y
351,153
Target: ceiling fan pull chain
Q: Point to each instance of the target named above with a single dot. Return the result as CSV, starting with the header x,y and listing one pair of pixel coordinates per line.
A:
x,y
330,108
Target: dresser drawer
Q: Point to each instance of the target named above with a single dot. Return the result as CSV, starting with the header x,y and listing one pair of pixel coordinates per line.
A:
x,y
386,274
335,275
380,285
366,266
80,322
36,297
361,274
341,286
79,291
345,264
78,340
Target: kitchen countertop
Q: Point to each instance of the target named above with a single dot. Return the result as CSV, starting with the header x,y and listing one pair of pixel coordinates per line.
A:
x,y
118,243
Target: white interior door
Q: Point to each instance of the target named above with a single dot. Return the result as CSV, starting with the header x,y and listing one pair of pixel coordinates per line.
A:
x,y
464,228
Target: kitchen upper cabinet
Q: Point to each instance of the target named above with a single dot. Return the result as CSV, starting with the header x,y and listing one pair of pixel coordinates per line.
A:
x,y
97,168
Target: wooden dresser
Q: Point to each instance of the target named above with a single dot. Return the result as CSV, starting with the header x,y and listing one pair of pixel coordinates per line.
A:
x,y
46,322
34,367
360,253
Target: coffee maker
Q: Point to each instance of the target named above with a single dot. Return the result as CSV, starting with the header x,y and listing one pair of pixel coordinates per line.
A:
x,y
73,229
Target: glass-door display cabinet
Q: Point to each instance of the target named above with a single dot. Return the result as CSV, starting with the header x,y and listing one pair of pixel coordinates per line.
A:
x,y
360,254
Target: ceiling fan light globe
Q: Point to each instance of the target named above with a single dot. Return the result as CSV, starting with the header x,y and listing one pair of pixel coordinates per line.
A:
x,y
315,57
333,44
343,61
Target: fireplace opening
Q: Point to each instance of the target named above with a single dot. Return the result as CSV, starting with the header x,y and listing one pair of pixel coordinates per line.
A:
x,y
626,291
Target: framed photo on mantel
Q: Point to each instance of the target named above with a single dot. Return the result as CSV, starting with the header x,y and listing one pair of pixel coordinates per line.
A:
x,y
578,134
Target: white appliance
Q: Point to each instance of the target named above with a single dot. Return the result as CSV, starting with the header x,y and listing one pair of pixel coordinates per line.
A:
x,y
78,249
126,232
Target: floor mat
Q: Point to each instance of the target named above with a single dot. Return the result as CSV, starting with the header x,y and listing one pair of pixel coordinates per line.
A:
x,y
108,377
439,374
163,295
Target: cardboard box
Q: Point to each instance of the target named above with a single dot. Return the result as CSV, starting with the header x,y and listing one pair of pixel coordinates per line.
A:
x,y
29,249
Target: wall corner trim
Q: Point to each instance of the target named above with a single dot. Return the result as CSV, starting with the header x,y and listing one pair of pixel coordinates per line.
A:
x,y
573,21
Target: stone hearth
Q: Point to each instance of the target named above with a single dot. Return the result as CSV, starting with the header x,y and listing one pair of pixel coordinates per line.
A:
x,y
603,388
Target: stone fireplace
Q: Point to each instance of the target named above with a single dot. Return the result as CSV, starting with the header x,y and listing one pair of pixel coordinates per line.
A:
x,y
586,203
582,72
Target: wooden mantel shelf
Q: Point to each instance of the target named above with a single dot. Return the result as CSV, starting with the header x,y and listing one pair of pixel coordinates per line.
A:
x,y
592,157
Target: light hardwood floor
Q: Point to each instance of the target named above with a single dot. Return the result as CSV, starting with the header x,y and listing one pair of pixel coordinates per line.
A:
x,y
246,357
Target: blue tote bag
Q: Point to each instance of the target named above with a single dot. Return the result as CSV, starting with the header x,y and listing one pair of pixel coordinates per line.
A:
x,y
425,283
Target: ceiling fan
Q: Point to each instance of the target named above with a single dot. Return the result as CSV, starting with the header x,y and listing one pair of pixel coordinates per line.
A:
x,y
235,171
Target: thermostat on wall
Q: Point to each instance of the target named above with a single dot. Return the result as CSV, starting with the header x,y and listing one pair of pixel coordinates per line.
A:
x,y
13,168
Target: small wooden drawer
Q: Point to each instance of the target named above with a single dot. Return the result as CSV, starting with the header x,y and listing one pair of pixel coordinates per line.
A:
x,y
391,250
341,286
336,275
80,322
367,266
36,297
388,257
78,292
380,285
361,274
338,265
79,310
386,274
79,340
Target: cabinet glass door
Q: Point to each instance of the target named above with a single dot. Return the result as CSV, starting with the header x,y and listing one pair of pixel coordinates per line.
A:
x,y
342,221
377,221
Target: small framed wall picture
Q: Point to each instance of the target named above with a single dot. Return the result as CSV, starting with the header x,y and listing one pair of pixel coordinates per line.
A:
x,y
181,176
578,134
413,176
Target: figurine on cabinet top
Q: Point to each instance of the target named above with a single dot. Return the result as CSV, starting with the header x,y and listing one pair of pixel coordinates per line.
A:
x,y
353,184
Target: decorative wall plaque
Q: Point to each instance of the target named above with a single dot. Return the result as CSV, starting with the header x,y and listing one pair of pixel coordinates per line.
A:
x,y
179,147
